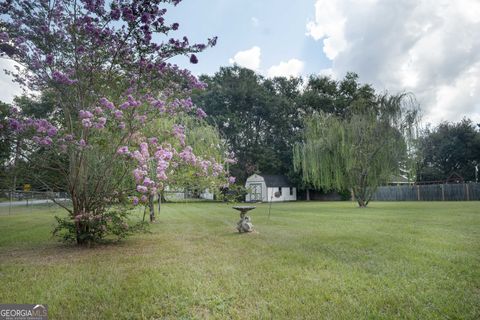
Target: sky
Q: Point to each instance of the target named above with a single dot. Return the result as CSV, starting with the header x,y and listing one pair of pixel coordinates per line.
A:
x,y
430,48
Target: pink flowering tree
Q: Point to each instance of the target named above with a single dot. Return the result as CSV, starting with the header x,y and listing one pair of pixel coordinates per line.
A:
x,y
106,65
177,156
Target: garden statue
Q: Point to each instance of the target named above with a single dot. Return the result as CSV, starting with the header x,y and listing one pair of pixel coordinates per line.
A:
x,y
244,224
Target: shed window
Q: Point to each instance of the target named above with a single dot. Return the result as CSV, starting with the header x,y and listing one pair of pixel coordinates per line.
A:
x,y
291,191
280,190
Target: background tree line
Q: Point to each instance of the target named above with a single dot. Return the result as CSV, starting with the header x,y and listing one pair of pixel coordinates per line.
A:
x,y
262,119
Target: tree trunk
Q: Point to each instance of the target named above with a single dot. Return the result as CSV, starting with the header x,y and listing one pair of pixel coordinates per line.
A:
x,y
308,194
361,203
360,196
160,196
151,207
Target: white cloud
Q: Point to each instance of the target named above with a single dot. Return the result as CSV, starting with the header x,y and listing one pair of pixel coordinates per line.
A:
x,y
9,89
291,68
428,47
330,25
249,58
255,21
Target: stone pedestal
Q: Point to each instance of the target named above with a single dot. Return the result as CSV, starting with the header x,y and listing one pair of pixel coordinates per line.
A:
x,y
245,222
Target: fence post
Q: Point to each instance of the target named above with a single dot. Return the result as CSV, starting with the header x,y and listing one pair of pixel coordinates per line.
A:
x,y
418,192
467,192
443,192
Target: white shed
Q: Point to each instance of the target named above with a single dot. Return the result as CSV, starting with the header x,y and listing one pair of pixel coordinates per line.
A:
x,y
263,188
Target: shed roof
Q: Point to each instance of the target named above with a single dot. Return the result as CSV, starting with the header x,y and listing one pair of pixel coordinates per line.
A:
x,y
276,181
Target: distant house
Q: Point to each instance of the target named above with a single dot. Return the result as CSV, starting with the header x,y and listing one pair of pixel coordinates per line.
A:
x,y
265,187
399,180
181,194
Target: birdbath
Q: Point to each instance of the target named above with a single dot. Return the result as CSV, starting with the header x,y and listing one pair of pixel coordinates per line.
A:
x,y
245,224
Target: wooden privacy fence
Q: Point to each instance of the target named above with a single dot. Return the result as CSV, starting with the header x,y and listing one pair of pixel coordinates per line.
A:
x,y
429,192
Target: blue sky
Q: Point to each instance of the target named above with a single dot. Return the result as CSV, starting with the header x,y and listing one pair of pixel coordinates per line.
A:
x,y
277,27
430,48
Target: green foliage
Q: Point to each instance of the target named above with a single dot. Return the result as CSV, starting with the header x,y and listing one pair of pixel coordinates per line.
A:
x,y
449,148
43,106
340,98
358,152
205,140
258,118
262,119
234,193
96,228
38,167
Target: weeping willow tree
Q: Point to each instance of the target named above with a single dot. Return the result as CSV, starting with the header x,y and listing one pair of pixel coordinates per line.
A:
x,y
360,151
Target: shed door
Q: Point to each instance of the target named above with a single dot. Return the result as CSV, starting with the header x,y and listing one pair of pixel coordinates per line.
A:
x,y
256,194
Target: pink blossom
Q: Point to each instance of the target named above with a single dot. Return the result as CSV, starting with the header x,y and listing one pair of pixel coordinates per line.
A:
x,y
107,104
86,123
162,165
118,114
52,131
85,114
179,132
163,154
217,167
147,182
138,174
144,150
122,125
231,180
46,141
100,124
200,113
138,156
142,189
135,200
124,105
162,176
160,105
141,119
187,155
15,125
153,140
123,150
204,165
62,78
153,191
132,102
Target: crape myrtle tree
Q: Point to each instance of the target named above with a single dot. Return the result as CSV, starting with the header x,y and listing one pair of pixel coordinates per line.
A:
x,y
359,151
189,170
106,65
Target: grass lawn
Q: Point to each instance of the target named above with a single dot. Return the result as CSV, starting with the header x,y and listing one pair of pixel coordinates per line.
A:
x,y
311,260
